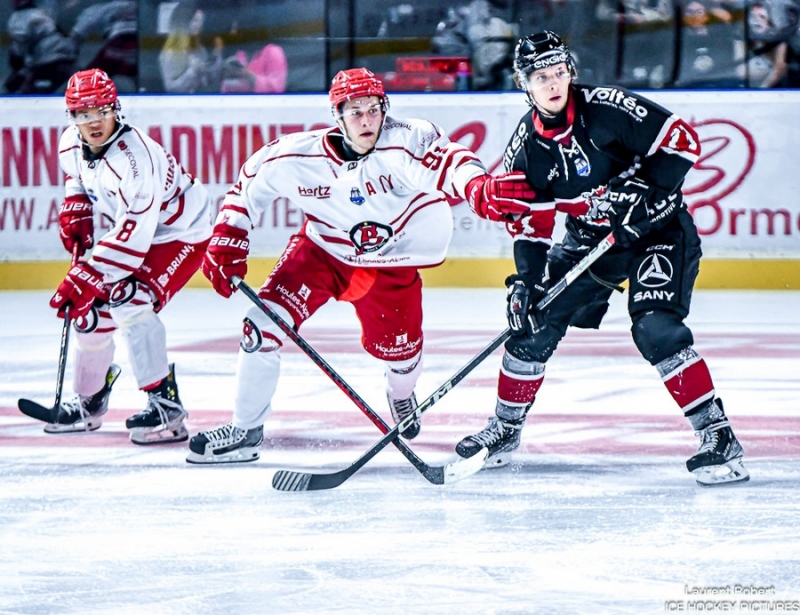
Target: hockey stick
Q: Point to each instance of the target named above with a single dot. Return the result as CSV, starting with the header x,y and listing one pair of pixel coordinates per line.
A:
x,y
287,480
38,411
437,475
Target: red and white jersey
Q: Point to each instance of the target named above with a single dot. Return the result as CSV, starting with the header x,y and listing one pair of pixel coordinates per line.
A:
x,y
142,191
387,209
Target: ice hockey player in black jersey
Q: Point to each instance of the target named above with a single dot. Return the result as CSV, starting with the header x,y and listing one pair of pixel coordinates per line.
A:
x,y
614,162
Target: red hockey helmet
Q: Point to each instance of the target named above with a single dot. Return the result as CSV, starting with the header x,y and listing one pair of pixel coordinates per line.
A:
x,y
355,83
90,88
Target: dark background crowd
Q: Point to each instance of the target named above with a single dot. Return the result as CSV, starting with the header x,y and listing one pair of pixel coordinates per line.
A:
x,y
271,46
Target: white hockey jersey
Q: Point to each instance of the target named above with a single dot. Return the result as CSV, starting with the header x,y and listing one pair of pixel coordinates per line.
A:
x,y
142,191
388,209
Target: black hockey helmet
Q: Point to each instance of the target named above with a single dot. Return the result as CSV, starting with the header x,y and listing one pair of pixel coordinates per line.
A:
x,y
540,50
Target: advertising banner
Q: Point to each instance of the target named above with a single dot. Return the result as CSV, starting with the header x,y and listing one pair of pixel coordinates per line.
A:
x,y
742,192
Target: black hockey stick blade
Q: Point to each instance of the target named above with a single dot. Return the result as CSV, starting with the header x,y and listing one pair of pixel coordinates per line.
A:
x,y
289,480
37,411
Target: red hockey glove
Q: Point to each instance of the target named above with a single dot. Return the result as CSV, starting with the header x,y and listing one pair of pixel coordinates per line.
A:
x,y
498,198
78,291
226,257
77,225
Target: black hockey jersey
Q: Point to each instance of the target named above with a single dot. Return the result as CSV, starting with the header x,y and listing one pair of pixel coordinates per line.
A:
x,y
609,132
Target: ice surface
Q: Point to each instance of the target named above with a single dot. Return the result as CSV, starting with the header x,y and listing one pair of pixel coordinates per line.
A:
x,y
597,514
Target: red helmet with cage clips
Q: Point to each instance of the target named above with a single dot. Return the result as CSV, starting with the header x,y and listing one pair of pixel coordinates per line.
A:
x,y
355,83
90,88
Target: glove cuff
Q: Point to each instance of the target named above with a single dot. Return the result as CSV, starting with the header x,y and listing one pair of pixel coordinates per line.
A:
x,y
475,196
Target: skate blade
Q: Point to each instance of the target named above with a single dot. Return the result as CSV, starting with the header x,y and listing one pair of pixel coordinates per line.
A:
x,y
727,473
79,427
242,455
497,460
159,435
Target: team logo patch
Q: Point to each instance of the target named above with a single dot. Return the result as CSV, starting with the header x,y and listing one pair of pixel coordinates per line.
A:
x,y
88,322
681,138
251,336
352,166
370,236
655,271
122,292
356,197
574,152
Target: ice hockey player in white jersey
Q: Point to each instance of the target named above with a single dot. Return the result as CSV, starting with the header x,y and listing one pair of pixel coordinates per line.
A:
x,y
161,220
374,190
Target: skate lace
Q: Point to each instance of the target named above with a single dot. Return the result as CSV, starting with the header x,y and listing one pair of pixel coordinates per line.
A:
x,y
226,434
490,434
709,437
157,403
402,408
75,407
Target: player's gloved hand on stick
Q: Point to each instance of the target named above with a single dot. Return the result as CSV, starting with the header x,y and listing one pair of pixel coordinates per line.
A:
x,y
78,291
77,224
226,257
627,211
522,297
499,198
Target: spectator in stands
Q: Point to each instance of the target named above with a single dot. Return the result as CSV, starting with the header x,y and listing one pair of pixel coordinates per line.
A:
x,y
647,29
40,56
186,65
763,54
707,47
785,14
265,72
117,22
477,31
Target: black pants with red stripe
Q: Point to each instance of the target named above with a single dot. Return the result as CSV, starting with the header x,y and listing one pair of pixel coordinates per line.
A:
x,y
660,269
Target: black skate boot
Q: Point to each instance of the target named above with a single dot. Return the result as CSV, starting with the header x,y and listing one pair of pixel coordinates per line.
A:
x,y
85,413
500,436
719,459
401,408
226,444
162,419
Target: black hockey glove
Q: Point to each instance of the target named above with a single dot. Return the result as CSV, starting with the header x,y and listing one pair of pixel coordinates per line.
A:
x,y
627,211
522,297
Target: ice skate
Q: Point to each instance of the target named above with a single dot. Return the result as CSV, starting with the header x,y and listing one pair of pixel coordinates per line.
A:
x,y
85,412
162,419
226,444
719,459
500,436
401,408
